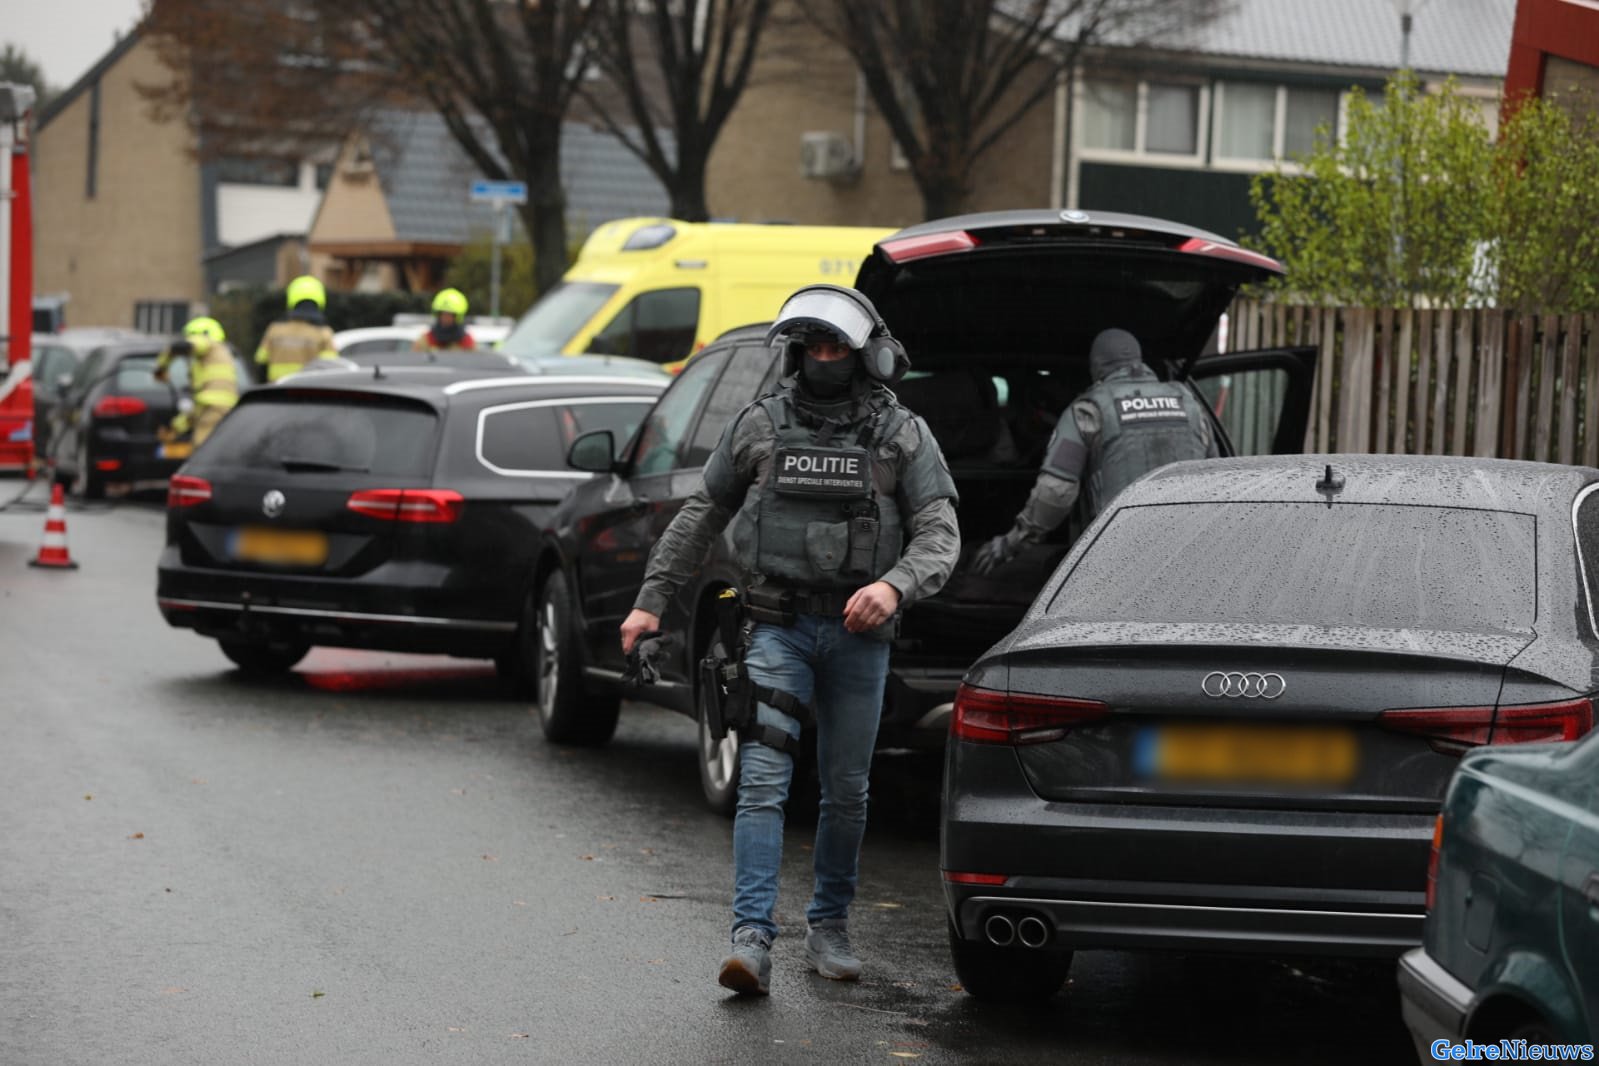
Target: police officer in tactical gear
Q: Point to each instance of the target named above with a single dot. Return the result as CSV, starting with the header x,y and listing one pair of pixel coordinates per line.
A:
x,y
844,513
1123,426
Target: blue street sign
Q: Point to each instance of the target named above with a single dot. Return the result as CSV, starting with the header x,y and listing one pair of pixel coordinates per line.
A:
x,y
511,192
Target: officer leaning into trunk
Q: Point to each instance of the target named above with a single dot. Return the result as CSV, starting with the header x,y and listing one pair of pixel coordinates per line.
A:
x,y
1123,426
844,513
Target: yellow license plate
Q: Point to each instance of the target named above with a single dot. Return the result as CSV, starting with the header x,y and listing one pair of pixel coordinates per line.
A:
x,y
1248,754
282,547
179,449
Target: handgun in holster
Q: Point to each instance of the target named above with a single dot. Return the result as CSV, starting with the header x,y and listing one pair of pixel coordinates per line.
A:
x,y
728,696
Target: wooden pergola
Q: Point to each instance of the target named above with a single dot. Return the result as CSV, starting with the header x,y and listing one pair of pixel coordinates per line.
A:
x,y
420,265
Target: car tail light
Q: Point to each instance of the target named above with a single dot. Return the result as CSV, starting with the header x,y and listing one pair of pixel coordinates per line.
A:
x,y
1221,250
907,248
1432,862
1447,729
984,716
108,464
1537,722
119,407
407,505
186,491
1453,730
956,878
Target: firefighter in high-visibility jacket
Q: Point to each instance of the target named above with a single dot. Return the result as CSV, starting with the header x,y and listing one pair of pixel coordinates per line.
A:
x,y
292,342
213,378
448,332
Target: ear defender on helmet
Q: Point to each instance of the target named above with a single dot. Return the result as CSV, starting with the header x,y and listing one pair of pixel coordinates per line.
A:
x,y
885,358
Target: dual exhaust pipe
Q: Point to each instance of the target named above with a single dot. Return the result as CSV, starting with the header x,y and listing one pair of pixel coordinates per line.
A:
x,y
1027,929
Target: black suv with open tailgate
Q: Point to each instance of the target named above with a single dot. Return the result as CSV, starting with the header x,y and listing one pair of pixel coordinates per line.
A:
x,y
997,311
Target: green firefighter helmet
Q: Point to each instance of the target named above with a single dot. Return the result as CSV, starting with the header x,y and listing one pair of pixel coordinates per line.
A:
x,y
305,287
450,302
203,328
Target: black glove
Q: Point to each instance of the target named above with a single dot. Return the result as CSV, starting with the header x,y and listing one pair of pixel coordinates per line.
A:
x,y
997,552
650,652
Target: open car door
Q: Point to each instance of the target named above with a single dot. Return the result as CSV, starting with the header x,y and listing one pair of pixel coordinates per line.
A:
x,y
1260,399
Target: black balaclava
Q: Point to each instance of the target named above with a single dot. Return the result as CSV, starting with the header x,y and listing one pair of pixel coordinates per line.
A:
x,y
830,380
1113,350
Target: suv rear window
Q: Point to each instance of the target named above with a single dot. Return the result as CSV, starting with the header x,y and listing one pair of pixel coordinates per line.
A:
x,y
534,437
137,372
1366,565
390,440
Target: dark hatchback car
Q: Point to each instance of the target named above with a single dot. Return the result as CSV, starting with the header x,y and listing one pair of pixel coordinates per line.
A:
x,y
54,358
103,435
1510,950
1228,720
396,509
997,311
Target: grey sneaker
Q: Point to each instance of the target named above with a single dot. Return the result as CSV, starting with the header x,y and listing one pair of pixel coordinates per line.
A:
x,y
827,950
747,970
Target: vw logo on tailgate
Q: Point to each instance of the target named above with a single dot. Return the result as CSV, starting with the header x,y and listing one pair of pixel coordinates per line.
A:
x,y
1243,686
272,503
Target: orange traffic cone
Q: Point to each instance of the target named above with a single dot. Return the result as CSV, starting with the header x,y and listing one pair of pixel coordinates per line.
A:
x,y
53,553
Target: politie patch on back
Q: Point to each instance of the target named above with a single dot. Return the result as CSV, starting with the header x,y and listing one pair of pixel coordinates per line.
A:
x,y
1131,410
838,472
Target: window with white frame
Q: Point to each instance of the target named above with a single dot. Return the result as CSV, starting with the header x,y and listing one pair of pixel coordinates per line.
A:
x,y
1259,123
1145,118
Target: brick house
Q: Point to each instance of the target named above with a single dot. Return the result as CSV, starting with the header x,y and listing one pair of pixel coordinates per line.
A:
x,y
1175,132
131,225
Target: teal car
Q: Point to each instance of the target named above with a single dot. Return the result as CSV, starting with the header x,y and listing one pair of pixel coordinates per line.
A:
x,y
1510,948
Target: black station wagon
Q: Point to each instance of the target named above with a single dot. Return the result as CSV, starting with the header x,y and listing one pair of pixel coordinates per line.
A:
x,y
387,508
997,311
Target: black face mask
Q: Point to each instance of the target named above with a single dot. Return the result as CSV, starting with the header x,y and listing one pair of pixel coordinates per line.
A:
x,y
448,335
830,380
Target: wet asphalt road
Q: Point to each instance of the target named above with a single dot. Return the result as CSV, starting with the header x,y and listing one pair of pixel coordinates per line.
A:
x,y
379,860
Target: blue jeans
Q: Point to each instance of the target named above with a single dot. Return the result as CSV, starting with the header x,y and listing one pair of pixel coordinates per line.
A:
x,y
840,676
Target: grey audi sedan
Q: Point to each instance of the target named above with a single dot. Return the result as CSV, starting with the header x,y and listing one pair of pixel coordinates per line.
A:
x,y
1227,722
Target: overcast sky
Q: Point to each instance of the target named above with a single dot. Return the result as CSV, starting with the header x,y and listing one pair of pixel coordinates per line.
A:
x,y
65,37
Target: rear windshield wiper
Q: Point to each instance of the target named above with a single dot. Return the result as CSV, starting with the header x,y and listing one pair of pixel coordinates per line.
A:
x,y
295,462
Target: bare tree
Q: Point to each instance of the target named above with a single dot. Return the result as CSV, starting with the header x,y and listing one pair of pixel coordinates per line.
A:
x,y
951,77
256,77
502,76
678,67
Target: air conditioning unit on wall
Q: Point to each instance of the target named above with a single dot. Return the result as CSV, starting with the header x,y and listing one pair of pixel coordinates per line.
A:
x,y
828,155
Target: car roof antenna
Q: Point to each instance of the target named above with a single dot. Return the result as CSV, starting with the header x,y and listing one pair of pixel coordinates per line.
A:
x,y
377,375
1330,485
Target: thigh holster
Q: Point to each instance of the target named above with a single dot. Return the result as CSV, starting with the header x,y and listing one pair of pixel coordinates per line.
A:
x,y
729,697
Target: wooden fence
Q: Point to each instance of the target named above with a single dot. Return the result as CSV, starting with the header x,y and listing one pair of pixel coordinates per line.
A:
x,y
1433,382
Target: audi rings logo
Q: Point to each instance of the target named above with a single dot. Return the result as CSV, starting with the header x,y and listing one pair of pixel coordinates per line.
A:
x,y
272,503
1243,686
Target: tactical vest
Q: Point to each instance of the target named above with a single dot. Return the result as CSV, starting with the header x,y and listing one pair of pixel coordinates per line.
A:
x,y
291,343
823,515
1144,423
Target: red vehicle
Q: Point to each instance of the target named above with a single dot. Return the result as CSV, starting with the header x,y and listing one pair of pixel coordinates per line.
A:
x,y
16,295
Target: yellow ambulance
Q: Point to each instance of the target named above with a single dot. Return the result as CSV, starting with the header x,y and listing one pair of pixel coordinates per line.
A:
x,y
660,290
